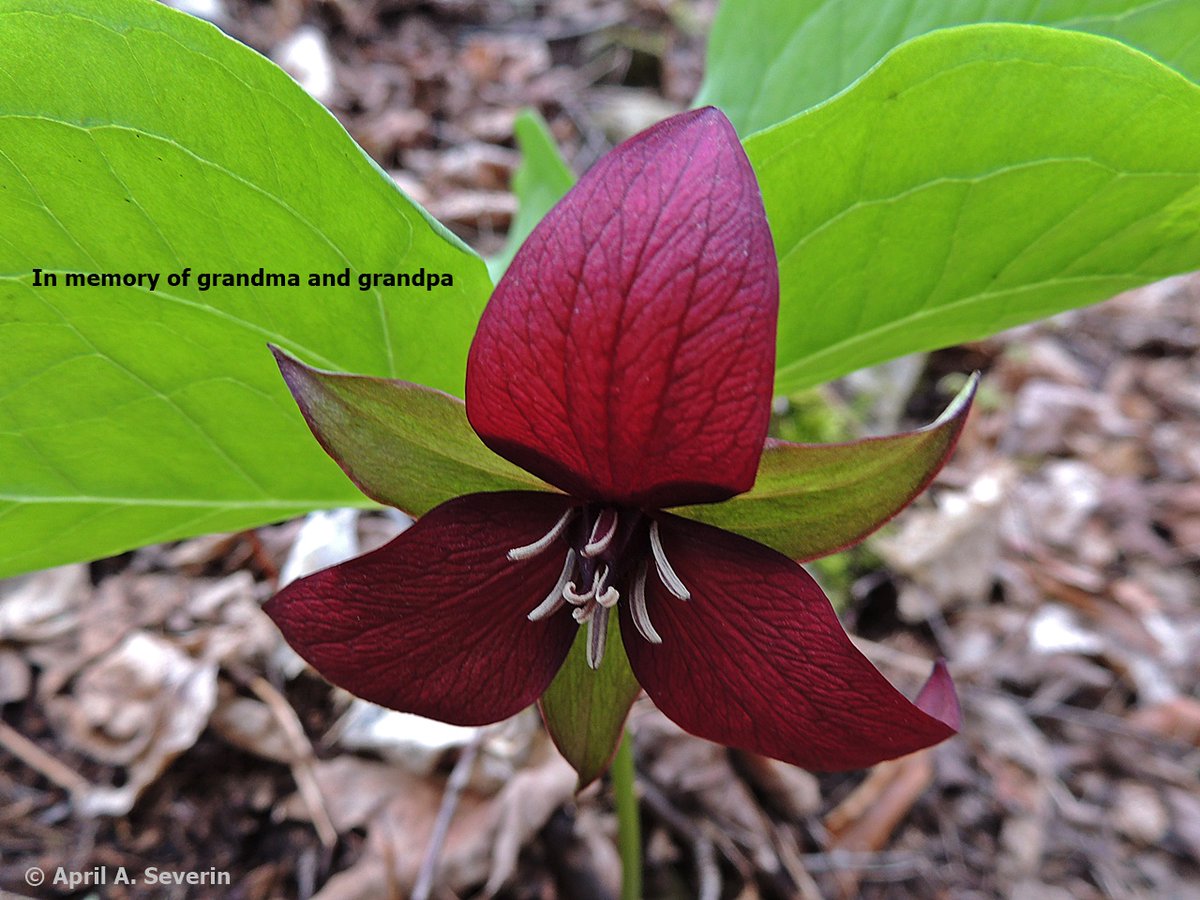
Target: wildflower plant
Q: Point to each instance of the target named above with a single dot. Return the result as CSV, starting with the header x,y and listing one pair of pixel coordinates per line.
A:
x,y
626,359
605,511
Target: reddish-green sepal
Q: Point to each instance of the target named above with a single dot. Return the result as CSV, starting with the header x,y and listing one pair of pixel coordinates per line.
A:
x,y
403,444
814,499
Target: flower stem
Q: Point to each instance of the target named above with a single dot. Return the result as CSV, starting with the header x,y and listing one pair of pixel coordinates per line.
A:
x,y
629,829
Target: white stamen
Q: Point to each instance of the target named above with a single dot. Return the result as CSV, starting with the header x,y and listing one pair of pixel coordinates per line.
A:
x,y
571,594
609,598
637,607
602,533
582,613
555,598
543,543
669,579
597,633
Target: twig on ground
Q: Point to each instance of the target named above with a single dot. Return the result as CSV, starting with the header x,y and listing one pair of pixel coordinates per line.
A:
x,y
302,757
708,873
787,849
41,761
684,827
458,779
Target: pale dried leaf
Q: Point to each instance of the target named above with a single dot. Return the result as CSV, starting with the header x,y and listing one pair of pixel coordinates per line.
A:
x,y
139,707
41,606
16,680
250,725
1138,812
952,550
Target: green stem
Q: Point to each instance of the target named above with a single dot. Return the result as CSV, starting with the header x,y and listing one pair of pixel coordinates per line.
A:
x,y
629,829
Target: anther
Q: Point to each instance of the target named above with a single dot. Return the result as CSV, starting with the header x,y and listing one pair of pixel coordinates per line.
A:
x,y
669,579
602,533
543,543
555,598
571,594
609,598
637,607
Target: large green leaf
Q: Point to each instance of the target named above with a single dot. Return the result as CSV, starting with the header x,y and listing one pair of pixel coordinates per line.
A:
x,y
540,182
769,60
136,139
978,178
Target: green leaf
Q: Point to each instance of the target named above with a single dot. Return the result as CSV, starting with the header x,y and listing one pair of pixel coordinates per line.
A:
x,y
769,60
811,500
979,178
137,139
403,444
585,709
539,182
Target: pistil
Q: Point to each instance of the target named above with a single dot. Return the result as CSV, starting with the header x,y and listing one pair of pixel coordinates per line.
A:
x,y
607,548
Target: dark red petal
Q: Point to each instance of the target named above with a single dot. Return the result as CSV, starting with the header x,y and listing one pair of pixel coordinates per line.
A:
x,y
434,622
938,698
757,659
628,353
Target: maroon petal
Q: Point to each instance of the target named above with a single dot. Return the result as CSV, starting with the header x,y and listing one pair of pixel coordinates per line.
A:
x,y
757,659
938,698
628,353
435,622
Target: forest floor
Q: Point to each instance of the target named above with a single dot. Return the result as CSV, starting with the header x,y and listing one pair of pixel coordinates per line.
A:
x,y
150,715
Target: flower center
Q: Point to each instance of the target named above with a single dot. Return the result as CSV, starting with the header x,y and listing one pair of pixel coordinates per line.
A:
x,y
609,550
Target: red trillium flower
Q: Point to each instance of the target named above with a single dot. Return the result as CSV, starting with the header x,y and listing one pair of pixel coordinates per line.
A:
x,y
627,359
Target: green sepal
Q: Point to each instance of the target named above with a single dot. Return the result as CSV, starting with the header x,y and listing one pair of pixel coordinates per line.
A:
x,y
585,709
403,444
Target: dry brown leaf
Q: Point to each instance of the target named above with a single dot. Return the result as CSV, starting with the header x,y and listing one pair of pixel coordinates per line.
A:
x,y
865,821
139,707
1139,813
623,112
492,209
1106,616
249,725
698,772
195,554
398,810
952,549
